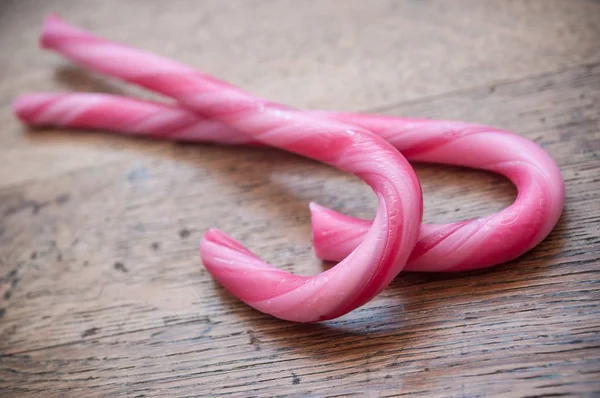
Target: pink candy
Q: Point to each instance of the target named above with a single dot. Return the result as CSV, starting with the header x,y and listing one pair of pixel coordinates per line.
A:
x,y
370,253
457,246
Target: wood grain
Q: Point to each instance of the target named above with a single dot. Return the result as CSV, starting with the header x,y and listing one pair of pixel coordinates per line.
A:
x,y
102,292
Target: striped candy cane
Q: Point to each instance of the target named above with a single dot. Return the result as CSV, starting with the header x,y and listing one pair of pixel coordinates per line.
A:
x,y
457,246
357,278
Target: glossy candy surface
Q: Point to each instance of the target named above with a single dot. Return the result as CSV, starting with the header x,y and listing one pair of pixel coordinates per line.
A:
x,y
367,269
371,253
457,246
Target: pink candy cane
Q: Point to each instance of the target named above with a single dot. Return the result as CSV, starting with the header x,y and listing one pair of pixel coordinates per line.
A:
x,y
366,271
462,245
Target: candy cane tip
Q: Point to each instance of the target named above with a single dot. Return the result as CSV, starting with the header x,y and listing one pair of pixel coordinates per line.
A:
x,y
25,106
52,24
317,213
315,207
47,25
213,234
20,107
214,237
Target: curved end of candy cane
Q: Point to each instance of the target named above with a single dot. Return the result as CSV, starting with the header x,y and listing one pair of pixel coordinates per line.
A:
x,y
26,107
286,296
335,235
251,280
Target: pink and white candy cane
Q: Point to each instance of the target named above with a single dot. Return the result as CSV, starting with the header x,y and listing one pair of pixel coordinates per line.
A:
x,y
457,246
366,271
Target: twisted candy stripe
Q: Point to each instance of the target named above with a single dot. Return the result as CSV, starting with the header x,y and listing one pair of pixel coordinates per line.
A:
x,y
221,114
457,246
367,270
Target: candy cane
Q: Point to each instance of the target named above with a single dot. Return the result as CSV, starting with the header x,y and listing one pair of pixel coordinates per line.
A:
x,y
462,245
366,270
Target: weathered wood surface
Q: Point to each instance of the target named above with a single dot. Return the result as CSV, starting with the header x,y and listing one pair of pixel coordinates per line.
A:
x,y
102,290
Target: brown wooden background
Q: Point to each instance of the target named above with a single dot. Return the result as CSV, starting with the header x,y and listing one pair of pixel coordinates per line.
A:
x,y
102,292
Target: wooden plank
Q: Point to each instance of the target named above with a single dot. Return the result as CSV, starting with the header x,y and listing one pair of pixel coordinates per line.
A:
x,y
107,296
321,54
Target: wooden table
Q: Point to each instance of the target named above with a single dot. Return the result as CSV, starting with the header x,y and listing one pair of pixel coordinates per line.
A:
x,y
102,291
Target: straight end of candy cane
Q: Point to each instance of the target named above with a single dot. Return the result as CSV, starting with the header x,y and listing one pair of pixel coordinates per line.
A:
x,y
335,235
54,28
27,107
51,22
